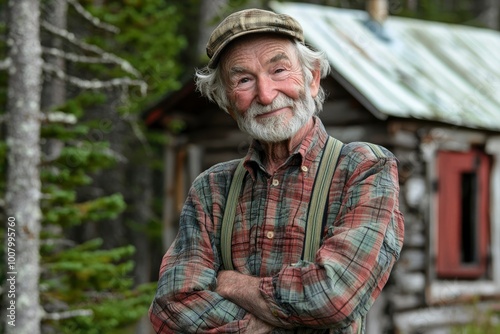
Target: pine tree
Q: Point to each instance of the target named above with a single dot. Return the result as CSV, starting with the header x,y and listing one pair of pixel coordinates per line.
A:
x,y
151,40
82,288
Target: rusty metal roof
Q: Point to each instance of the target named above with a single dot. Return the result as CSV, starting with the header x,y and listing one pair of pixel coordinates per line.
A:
x,y
410,68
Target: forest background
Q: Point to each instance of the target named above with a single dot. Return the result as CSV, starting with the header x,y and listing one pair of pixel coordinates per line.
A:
x,y
80,192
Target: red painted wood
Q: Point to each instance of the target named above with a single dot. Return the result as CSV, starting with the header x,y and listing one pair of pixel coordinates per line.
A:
x,y
451,167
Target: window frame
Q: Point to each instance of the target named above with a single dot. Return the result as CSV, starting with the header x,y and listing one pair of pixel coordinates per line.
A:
x,y
452,169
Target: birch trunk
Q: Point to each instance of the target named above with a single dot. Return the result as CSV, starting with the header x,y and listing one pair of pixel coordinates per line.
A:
x,y
23,158
209,9
492,14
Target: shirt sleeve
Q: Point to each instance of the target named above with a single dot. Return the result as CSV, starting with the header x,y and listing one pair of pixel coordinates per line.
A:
x,y
185,300
357,254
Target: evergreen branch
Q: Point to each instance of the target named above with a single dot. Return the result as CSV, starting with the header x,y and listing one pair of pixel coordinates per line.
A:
x,y
95,84
76,58
68,314
4,64
115,155
139,134
60,242
92,19
59,117
70,37
100,295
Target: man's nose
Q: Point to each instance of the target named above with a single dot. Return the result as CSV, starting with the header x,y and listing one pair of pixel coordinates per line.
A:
x,y
266,90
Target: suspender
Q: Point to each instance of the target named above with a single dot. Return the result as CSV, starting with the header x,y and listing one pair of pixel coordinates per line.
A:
x,y
316,206
228,218
324,176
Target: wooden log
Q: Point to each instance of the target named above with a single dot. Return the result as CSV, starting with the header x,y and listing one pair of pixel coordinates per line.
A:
x,y
412,260
406,282
426,319
403,302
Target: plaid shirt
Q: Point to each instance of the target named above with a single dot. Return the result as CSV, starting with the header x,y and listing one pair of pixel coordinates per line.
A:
x,y
362,240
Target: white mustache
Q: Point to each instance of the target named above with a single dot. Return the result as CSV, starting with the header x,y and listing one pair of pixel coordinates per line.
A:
x,y
281,101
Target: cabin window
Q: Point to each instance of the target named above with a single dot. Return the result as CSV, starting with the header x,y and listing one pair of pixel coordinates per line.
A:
x,y
463,206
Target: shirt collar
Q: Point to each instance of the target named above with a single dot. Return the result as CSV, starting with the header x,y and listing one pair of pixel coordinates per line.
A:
x,y
304,154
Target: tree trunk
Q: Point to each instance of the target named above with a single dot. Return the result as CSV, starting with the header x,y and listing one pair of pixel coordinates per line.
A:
x,y
23,157
209,9
140,199
490,14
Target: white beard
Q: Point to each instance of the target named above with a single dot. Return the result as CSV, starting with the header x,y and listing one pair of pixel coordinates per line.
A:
x,y
274,129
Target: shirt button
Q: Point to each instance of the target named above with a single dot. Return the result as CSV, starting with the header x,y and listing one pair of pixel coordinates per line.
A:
x,y
276,182
304,168
270,235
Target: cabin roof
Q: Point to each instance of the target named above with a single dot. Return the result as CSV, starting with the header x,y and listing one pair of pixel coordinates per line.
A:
x,y
409,68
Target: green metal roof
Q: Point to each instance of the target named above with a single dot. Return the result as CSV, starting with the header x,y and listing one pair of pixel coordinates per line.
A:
x,y
413,69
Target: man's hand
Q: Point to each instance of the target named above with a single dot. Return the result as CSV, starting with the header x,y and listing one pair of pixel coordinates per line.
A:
x,y
257,326
243,290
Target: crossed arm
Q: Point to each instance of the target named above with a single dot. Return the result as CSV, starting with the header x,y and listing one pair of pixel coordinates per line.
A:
x,y
244,291
340,286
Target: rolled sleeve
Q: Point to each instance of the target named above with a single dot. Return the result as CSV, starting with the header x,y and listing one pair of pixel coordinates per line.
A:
x,y
185,301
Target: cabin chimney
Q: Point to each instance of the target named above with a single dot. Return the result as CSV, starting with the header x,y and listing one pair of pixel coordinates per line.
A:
x,y
378,10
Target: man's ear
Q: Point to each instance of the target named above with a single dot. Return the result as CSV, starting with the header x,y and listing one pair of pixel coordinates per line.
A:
x,y
315,82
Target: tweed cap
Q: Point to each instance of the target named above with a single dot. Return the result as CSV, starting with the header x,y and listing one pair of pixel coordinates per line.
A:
x,y
250,21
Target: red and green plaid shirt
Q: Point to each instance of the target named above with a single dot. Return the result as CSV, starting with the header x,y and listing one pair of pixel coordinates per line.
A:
x,y
362,240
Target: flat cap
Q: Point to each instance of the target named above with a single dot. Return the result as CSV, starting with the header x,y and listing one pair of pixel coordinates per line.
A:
x,y
250,21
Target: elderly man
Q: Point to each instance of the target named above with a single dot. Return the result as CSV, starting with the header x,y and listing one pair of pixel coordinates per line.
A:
x,y
263,274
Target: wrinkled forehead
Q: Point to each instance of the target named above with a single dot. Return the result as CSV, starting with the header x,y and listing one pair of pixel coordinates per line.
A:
x,y
253,42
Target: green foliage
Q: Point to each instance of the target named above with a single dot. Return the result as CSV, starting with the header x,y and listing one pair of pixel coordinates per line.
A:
x,y
127,307
87,267
476,329
484,323
89,278
150,40
437,11
82,276
90,155
68,214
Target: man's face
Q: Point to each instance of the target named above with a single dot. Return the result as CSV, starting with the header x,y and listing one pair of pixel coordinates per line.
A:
x,y
265,87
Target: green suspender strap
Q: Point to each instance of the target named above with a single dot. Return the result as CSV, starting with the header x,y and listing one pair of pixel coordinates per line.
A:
x,y
229,213
319,196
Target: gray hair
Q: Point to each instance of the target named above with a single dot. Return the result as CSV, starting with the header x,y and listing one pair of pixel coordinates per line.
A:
x,y
210,82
